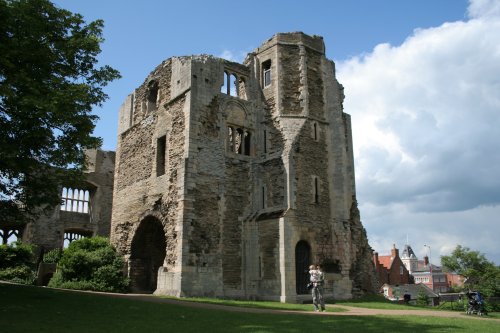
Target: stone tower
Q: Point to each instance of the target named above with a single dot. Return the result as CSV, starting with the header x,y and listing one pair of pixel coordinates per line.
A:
x,y
232,178
409,259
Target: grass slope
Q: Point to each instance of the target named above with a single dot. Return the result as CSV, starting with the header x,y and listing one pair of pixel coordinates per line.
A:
x,y
31,309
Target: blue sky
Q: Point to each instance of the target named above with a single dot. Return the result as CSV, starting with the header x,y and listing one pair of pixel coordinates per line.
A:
x,y
422,83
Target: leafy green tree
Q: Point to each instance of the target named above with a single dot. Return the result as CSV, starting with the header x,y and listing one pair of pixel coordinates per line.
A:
x,y
49,82
90,264
479,273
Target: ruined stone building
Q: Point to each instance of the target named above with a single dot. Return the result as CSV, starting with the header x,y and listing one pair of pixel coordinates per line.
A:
x,y
232,178
85,210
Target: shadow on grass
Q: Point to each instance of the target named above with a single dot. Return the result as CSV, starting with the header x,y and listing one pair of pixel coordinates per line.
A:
x,y
30,309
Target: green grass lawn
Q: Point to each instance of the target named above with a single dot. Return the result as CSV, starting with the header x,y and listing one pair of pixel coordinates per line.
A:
x,y
31,309
255,304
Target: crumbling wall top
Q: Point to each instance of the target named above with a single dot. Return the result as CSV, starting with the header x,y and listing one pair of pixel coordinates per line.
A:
x,y
314,42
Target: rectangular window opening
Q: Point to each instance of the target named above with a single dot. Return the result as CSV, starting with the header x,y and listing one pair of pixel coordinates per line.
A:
x,y
161,147
266,73
316,190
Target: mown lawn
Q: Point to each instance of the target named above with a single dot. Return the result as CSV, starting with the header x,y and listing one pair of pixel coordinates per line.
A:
x,y
31,309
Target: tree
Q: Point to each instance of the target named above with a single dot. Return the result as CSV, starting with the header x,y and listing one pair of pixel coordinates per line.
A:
x,y
49,82
90,264
479,273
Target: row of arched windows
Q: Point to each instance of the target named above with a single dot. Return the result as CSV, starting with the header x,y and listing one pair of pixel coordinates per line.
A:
x,y
239,140
234,85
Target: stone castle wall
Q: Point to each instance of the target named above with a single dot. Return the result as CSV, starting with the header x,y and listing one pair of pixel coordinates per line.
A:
x,y
237,179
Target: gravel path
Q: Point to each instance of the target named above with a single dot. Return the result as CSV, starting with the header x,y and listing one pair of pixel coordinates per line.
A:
x,y
351,311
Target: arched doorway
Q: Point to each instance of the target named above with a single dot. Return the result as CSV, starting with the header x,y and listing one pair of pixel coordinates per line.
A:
x,y
147,255
302,262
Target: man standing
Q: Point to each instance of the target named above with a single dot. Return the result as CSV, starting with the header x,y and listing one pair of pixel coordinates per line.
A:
x,y
317,279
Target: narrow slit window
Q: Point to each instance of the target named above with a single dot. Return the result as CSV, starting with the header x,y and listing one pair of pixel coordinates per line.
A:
x,y
315,131
316,190
161,147
265,142
263,197
266,73
248,139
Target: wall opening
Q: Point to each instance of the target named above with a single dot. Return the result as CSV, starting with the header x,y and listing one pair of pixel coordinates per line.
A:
x,y
147,255
302,262
152,95
239,140
9,236
161,155
75,200
73,235
266,73
234,85
316,189
264,197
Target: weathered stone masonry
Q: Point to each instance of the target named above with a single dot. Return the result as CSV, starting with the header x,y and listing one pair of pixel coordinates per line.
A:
x,y
232,178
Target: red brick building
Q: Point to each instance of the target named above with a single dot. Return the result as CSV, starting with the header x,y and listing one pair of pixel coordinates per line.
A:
x,y
390,269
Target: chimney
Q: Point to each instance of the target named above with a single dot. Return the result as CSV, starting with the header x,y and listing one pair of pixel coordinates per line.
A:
x,y
426,260
394,251
375,258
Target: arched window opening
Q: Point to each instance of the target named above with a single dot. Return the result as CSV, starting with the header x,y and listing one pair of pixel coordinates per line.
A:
x,y
302,262
9,236
225,87
152,95
75,200
233,84
70,236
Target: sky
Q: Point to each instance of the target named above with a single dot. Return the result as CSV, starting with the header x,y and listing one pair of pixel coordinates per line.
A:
x,y
422,86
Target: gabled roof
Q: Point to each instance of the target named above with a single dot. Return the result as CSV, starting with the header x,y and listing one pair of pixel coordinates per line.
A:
x,y
413,289
386,261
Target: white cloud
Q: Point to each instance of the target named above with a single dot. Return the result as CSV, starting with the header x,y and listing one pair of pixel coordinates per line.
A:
x,y
425,118
484,8
238,56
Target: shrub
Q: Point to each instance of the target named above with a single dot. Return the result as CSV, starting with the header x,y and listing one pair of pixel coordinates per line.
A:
x,y
15,254
422,299
53,256
90,264
16,263
20,274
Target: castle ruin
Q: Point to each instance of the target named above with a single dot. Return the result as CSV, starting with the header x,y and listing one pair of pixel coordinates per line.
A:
x,y
231,178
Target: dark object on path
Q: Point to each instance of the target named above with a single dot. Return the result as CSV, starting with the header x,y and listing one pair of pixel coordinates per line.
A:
x,y
475,303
